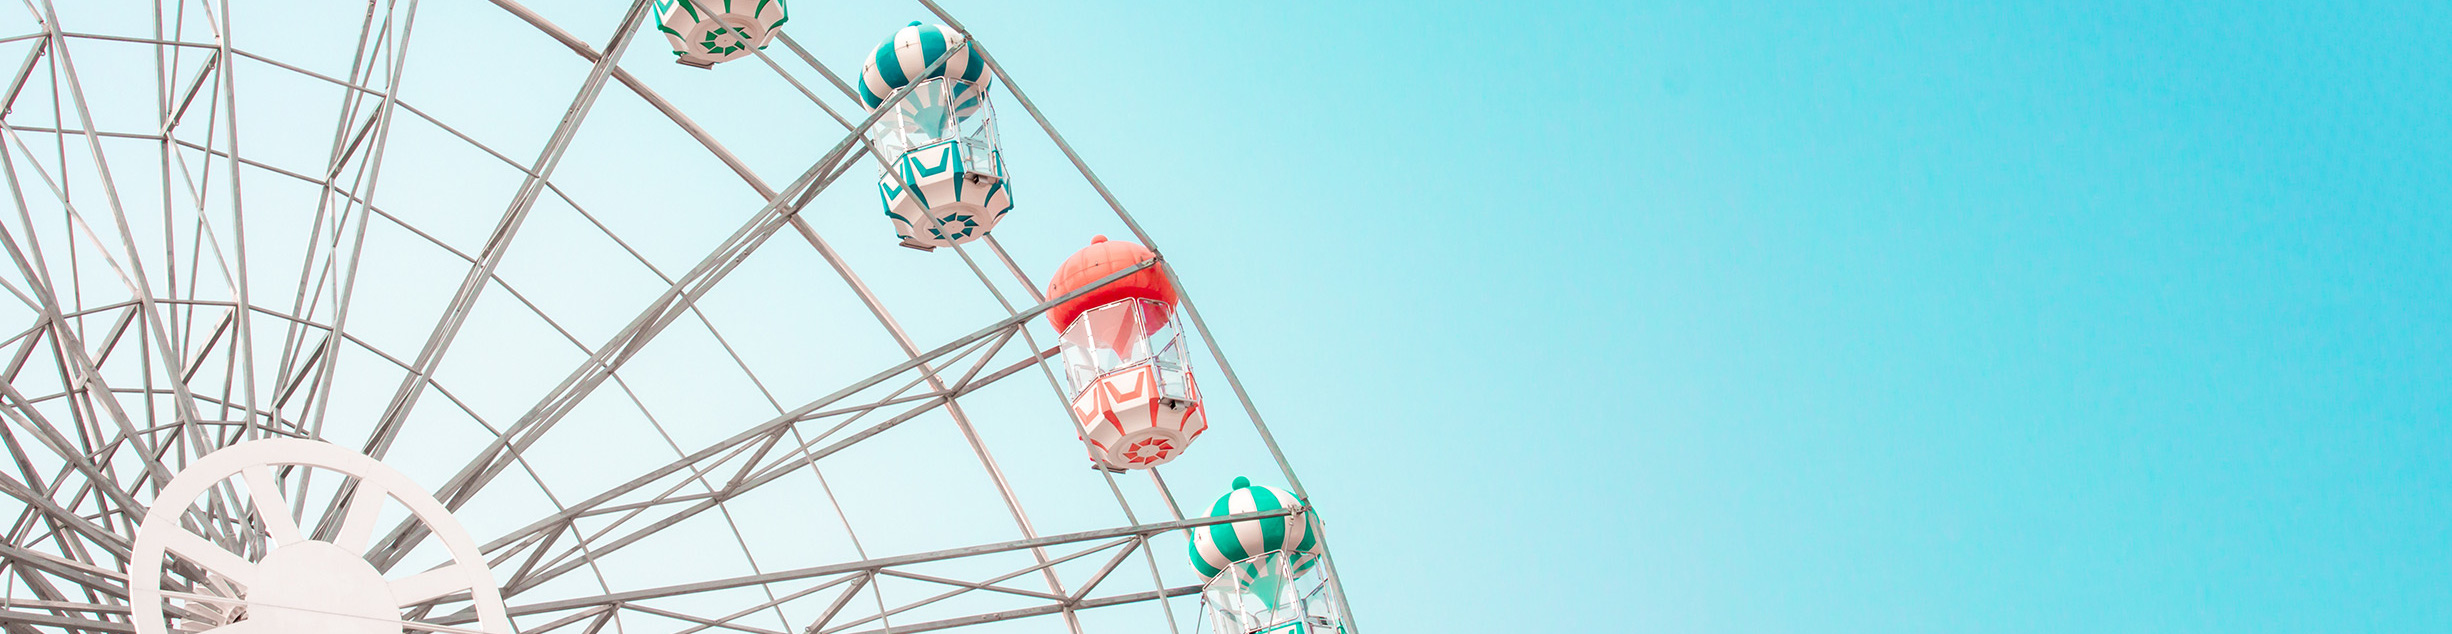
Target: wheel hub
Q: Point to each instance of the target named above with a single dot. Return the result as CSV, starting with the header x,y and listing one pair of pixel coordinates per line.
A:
x,y
313,586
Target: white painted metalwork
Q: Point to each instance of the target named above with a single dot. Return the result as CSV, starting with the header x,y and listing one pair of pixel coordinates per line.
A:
x,y
296,584
299,332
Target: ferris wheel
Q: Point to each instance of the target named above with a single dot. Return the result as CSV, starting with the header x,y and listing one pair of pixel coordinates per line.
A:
x,y
478,317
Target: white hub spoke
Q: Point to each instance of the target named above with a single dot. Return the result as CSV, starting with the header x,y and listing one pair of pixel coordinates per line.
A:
x,y
265,490
358,528
211,556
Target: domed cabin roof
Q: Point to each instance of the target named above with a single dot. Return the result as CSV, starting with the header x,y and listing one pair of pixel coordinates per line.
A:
x,y
1103,258
1217,546
901,60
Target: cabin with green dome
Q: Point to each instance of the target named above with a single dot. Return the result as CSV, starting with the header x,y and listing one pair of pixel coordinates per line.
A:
x,y
1266,575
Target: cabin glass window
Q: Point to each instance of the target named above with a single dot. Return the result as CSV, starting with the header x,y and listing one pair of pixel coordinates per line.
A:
x,y
1121,335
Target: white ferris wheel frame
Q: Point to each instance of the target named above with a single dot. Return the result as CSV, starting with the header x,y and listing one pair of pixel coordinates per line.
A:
x,y
76,571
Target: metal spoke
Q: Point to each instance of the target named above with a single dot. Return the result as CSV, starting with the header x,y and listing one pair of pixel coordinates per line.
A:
x,y
744,438
879,564
631,339
432,584
456,315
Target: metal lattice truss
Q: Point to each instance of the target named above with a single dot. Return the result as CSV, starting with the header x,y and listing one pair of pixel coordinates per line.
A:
x,y
190,273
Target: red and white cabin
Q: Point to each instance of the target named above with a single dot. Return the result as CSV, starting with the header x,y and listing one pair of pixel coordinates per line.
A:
x,y
1134,401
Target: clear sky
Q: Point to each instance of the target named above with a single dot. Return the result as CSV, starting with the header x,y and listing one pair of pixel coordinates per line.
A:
x,y
1816,316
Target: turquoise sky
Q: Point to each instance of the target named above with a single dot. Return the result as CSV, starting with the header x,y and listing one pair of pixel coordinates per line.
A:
x,y
1832,316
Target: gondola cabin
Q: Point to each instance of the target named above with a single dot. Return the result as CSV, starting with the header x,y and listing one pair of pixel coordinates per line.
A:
x,y
1134,401
1264,576
942,174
